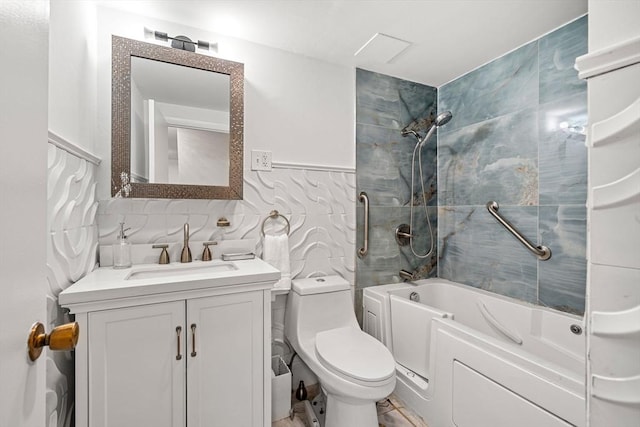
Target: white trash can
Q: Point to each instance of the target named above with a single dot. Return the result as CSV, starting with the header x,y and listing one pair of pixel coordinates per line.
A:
x,y
280,389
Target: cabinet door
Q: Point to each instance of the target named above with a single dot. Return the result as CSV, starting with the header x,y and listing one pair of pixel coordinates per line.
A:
x,y
225,375
136,366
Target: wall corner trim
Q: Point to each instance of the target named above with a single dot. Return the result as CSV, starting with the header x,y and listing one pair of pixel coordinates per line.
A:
x,y
72,148
609,59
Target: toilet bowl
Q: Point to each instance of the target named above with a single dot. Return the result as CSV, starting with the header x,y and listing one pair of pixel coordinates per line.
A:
x,y
354,369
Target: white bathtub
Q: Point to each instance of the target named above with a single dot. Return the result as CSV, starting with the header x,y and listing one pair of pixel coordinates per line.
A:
x,y
470,358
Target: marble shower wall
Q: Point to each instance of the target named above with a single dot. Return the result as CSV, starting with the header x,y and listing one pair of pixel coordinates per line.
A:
x,y
384,106
517,137
72,243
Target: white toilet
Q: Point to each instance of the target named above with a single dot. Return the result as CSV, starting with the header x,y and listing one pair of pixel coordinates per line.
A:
x,y
355,370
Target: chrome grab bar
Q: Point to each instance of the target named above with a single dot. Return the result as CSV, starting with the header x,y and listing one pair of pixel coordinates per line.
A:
x,y
362,252
542,252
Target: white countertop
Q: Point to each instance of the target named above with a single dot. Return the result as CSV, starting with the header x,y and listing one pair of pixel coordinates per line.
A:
x,y
107,283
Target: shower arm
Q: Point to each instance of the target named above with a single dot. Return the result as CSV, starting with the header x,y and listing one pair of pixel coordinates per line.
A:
x,y
542,252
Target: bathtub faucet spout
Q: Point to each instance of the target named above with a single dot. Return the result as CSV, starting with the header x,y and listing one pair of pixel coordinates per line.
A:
x,y
407,276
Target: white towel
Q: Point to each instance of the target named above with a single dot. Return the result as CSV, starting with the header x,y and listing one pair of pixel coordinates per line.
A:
x,y
276,253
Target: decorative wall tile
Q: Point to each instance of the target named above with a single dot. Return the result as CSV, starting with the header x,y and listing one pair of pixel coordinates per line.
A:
x,y
563,153
492,160
319,205
476,250
72,244
505,85
562,279
557,55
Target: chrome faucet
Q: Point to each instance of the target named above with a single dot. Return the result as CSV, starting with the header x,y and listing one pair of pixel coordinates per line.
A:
x,y
186,252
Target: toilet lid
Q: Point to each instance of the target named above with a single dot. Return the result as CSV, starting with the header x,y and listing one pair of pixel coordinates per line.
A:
x,y
354,354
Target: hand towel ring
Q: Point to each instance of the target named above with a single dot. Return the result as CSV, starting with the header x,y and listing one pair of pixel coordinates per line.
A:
x,y
273,215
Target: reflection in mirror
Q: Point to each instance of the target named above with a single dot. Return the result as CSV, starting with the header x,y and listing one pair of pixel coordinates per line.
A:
x,y
177,123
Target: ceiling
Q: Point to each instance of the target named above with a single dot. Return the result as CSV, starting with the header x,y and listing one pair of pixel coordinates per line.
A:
x,y
448,37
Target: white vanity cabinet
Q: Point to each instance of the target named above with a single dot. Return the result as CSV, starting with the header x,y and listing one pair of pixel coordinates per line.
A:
x,y
191,355
225,366
134,376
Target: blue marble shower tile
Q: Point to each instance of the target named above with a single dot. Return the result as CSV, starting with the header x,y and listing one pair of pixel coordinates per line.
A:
x,y
493,160
418,105
391,102
382,263
562,160
557,55
383,165
377,100
562,278
420,265
386,258
428,156
505,85
384,105
474,249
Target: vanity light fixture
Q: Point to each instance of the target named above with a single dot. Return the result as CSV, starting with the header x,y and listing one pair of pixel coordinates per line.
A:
x,y
180,42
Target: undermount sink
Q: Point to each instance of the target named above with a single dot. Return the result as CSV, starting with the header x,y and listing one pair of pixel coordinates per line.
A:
x,y
181,270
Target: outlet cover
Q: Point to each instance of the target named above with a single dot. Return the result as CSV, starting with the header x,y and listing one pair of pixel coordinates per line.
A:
x,y
260,160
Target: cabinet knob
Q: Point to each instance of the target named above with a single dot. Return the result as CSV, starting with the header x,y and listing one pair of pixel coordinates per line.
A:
x,y
63,337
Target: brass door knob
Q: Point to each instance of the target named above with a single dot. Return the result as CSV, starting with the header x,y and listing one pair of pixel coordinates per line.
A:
x,y
64,337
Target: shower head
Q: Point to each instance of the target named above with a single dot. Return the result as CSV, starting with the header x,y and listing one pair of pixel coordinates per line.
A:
x,y
443,118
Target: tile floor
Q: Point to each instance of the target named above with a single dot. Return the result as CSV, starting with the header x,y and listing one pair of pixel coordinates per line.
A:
x,y
391,413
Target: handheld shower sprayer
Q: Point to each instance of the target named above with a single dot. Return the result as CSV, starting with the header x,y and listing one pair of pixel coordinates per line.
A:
x,y
443,119
440,120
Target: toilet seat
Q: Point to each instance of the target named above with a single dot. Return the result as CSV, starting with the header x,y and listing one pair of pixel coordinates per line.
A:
x,y
351,353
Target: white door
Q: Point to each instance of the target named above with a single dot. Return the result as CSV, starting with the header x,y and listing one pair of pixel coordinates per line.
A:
x,y
23,165
225,367
136,366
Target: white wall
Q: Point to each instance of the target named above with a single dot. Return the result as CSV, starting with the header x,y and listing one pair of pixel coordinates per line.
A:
x,y
299,108
72,72
612,21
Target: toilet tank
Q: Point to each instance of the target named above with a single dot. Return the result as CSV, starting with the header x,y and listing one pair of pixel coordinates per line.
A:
x,y
318,304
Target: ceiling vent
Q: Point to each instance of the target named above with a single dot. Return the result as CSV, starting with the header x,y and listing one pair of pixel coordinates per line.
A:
x,y
382,48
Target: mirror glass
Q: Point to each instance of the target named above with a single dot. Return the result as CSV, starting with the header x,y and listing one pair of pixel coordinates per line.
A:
x,y
177,123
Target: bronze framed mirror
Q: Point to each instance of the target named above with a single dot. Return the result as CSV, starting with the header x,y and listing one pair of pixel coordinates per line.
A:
x,y
177,123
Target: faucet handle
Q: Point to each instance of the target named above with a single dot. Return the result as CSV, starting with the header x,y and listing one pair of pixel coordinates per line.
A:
x,y
164,255
206,254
